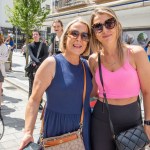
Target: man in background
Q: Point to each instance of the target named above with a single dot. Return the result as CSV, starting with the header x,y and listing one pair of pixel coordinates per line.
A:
x,y
55,37
34,48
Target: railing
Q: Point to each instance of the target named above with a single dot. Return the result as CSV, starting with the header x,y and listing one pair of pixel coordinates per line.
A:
x,y
64,4
103,1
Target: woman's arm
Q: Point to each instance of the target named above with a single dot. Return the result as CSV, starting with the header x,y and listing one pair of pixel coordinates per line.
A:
x,y
143,70
92,65
33,58
43,78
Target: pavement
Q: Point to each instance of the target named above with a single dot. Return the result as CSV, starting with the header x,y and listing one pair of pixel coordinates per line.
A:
x,y
15,98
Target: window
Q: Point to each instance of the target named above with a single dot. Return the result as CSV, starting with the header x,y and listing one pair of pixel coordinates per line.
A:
x,y
47,6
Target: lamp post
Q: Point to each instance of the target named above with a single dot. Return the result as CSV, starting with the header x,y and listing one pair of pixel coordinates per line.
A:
x,y
16,37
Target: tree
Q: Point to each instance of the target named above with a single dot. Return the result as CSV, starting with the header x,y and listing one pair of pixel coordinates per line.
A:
x,y
27,15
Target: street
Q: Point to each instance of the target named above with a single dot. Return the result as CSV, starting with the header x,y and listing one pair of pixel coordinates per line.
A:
x,y
13,105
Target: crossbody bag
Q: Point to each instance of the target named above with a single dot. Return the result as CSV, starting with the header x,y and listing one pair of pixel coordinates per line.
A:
x,y
132,139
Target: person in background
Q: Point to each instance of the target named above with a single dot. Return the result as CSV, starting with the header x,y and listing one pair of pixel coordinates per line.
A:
x,y
9,41
36,62
55,37
62,76
147,49
24,49
125,70
46,42
4,53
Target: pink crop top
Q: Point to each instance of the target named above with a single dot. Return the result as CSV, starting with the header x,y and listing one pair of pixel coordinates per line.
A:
x,y
122,83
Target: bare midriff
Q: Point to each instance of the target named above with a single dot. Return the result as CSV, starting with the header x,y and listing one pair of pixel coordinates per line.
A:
x,y
122,101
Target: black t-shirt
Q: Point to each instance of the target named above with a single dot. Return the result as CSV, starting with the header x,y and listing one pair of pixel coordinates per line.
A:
x,y
33,49
55,44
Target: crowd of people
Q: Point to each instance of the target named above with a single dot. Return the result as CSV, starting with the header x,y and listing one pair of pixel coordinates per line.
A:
x,y
59,69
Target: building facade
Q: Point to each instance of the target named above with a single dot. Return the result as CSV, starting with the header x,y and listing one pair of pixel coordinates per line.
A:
x,y
134,15
5,26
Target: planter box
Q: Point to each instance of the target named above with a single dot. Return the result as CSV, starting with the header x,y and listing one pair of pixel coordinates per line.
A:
x,y
7,66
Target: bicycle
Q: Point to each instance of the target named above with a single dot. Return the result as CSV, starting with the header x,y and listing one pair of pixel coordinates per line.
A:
x,y
1,125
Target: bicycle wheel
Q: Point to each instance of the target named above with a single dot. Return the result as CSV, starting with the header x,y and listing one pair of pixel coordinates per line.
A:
x,y
1,126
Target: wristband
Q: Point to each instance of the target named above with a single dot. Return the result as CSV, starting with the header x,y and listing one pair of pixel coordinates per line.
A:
x,y
147,122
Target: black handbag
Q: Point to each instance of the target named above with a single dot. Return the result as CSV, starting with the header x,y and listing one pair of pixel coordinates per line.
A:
x,y
131,139
30,69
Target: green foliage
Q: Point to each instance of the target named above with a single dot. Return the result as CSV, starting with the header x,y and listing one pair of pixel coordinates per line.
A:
x,y
27,14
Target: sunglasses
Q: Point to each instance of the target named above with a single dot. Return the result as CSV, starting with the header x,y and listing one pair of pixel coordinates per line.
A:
x,y
109,24
75,34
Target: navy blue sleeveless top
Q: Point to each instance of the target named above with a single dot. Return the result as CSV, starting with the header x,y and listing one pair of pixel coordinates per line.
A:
x,y
64,100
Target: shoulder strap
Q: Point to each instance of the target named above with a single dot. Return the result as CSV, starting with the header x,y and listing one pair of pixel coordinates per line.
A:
x,y
105,97
82,113
83,97
106,101
53,47
39,49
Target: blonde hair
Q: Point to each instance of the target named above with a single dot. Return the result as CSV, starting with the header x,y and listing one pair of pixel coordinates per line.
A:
x,y
96,45
63,39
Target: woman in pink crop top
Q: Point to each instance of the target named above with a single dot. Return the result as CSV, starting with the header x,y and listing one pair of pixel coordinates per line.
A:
x,y
126,71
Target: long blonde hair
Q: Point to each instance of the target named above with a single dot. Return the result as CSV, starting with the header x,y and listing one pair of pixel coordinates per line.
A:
x,y
63,39
96,45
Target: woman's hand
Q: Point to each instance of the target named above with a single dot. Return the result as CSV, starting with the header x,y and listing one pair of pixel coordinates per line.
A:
x,y
147,130
26,139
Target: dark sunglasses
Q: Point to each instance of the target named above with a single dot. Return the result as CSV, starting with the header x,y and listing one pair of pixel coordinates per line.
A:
x,y
109,24
75,34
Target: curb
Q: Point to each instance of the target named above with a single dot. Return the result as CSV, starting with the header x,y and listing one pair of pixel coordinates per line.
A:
x,y
21,86
17,84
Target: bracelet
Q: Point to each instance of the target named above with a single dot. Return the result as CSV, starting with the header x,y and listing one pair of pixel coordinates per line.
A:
x,y
147,122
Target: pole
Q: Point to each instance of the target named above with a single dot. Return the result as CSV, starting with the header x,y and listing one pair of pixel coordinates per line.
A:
x,y
16,38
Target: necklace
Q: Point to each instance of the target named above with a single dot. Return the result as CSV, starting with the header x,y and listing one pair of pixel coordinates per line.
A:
x,y
111,64
112,61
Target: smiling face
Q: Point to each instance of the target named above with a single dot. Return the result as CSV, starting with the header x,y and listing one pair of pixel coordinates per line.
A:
x,y
77,38
58,28
107,34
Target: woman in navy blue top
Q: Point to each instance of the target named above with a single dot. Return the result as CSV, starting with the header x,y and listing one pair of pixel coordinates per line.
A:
x,y
62,77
